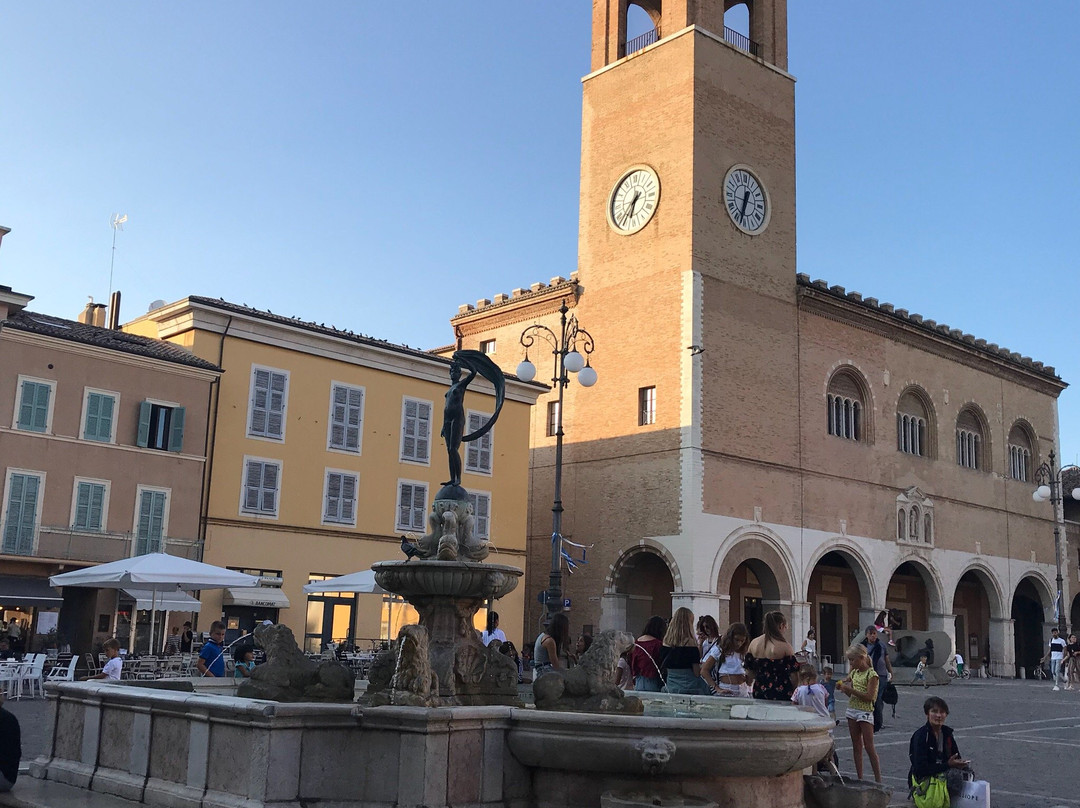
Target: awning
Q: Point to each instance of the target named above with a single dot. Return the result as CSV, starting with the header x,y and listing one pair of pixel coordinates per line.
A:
x,y
163,601
20,590
266,597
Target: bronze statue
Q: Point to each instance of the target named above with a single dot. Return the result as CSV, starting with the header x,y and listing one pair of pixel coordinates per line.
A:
x,y
454,419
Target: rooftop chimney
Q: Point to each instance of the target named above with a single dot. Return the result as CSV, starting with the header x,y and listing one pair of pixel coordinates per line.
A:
x,y
93,314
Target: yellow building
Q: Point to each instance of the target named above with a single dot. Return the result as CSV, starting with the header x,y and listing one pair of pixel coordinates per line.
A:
x,y
324,450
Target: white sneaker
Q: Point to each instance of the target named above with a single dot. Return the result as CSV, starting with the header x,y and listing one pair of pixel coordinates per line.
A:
x,y
1056,687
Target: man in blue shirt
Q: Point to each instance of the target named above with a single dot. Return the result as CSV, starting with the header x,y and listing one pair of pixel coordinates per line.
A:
x,y
212,657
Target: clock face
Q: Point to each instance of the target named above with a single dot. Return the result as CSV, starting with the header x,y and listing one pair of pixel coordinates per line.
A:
x,y
746,201
633,200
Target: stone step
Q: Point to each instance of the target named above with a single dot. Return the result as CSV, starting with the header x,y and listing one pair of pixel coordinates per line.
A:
x,y
29,792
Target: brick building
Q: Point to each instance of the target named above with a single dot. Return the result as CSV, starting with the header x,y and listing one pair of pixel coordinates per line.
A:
x,y
759,440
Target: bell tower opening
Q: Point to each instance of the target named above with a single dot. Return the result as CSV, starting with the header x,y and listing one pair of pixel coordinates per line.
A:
x,y
622,27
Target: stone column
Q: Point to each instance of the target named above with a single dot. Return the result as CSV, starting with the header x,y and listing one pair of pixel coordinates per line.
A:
x,y
1002,648
613,611
698,602
799,623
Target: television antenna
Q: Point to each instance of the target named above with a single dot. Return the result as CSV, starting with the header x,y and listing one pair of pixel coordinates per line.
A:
x,y
117,223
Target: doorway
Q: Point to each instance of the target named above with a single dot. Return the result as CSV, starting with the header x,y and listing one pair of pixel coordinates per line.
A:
x,y
753,616
831,632
329,619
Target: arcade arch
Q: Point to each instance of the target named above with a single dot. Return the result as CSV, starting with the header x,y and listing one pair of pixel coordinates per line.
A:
x,y
976,601
640,585
757,579
839,589
915,594
1030,602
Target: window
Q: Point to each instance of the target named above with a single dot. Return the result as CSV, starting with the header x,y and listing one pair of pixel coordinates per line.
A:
x,y
487,346
89,507
416,431
98,421
553,418
912,436
34,410
21,511
844,405
969,439
411,505
481,508
346,418
150,520
269,395
262,481
478,452
161,426
339,506
646,406
1020,444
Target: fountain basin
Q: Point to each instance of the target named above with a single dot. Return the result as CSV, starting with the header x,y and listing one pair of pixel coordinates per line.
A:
x,y
783,740
459,579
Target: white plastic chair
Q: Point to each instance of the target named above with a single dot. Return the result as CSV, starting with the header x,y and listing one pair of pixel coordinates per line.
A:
x,y
33,673
11,679
63,673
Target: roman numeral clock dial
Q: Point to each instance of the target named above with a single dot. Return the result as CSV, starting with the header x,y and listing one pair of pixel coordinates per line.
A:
x,y
633,200
746,201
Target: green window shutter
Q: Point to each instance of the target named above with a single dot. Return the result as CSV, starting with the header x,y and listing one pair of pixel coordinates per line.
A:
x,y
34,407
97,507
143,437
176,429
21,514
89,506
151,522
99,416
82,507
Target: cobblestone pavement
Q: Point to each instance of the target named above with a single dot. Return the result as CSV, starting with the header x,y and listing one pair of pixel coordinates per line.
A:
x,y
1019,735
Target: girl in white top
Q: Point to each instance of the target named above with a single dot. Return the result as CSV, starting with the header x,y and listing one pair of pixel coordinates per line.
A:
x,y
493,631
809,645
726,658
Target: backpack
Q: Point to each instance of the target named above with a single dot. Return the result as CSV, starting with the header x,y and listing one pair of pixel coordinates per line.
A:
x,y
890,696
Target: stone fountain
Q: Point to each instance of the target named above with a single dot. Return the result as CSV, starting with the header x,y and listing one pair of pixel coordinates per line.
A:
x,y
441,723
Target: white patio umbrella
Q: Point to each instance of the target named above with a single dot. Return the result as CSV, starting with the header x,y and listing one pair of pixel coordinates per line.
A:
x,y
363,581
157,572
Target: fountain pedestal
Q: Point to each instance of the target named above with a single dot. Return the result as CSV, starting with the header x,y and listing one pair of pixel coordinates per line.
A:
x,y
447,595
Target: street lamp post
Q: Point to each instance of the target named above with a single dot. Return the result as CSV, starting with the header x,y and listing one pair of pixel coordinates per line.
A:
x,y
568,359
1049,480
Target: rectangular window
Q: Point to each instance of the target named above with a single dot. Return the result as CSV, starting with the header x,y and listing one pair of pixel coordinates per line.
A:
x,y
262,481
339,506
481,507
478,452
346,418
552,418
646,406
98,416
416,431
21,512
411,505
89,511
150,524
161,426
269,398
34,410
487,346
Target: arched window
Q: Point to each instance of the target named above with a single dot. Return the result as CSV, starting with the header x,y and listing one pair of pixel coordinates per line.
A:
x,y
901,525
845,404
912,434
1020,445
642,25
928,529
970,439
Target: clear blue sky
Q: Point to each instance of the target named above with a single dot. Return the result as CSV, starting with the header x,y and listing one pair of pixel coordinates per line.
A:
x,y
373,165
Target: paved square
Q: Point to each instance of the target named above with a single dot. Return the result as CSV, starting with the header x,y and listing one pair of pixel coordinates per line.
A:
x,y
1020,735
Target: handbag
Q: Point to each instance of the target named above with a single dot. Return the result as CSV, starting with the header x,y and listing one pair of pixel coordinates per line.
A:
x,y
973,794
930,792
